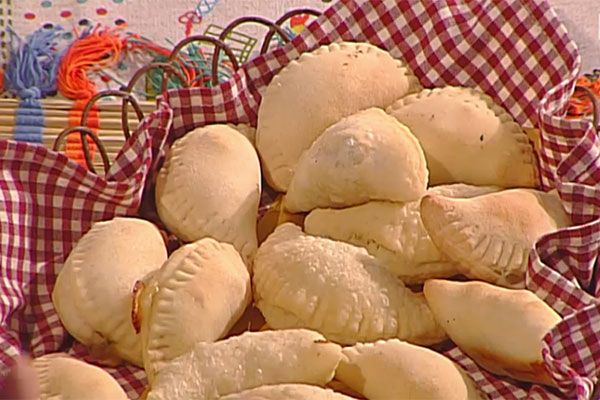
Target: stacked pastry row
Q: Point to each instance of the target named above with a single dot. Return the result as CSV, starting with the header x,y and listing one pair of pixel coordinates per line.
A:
x,y
401,185
396,185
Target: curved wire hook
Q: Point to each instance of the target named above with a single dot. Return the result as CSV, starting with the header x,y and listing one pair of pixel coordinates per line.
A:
x,y
118,93
267,41
83,132
234,24
219,44
595,106
168,70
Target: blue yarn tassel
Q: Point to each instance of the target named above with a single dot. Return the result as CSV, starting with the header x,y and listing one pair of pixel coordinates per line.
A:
x,y
31,75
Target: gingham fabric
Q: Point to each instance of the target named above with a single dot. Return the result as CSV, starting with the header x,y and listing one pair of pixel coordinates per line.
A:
x,y
518,53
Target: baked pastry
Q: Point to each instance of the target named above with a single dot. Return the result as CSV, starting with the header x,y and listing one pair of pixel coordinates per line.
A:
x,y
338,289
62,377
92,294
254,359
317,90
366,156
248,131
468,138
197,296
500,329
210,186
490,236
393,233
289,391
394,369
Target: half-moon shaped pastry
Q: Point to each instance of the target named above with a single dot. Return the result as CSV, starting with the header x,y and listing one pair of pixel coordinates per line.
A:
x,y
500,329
92,294
490,236
289,391
366,156
338,289
197,296
254,359
468,138
394,369
62,377
393,233
316,91
210,186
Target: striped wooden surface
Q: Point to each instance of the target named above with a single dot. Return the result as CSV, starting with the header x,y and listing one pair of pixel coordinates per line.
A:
x,y
56,118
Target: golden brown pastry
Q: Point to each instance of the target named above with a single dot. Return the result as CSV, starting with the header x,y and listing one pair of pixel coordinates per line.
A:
x,y
468,138
393,233
393,369
500,329
490,236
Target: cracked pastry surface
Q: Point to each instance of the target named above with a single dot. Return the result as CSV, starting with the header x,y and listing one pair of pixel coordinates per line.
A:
x,y
318,89
460,128
210,186
338,289
366,156
102,270
490,236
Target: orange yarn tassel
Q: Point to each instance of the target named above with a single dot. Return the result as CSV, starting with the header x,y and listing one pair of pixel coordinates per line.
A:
x,y
74,147
96,50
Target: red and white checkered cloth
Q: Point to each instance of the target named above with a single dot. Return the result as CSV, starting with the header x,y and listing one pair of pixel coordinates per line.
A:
x,y
517,52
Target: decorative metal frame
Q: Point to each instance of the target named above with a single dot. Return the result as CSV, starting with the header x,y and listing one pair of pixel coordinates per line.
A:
x,y
169,70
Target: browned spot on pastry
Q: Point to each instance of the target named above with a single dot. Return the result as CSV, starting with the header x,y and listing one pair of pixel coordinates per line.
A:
x,y
353,377
136,314
104,355
251,321
529,372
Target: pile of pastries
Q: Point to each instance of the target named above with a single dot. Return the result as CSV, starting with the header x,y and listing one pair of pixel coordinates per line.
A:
x,y
405,220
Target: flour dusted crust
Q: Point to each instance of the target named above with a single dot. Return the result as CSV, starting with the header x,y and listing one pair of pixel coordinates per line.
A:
x,y
317,90
288,391
62,377
500,329
92,295
210,186
393,233
301,281
393,369
248,361
197,296
366,156
468,138
490,236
